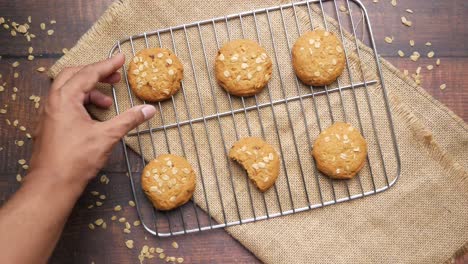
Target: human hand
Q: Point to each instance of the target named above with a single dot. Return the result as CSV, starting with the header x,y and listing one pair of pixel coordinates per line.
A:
x,y
68,144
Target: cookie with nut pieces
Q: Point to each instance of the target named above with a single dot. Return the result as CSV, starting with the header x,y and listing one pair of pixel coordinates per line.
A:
x,y
168,181
318,57
259,159
340,151
155,74
242,67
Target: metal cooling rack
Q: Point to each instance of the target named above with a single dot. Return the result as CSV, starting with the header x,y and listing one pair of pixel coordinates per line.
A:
x,y
236,200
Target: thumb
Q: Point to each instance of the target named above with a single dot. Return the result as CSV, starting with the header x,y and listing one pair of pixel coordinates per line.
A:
x,y
130,119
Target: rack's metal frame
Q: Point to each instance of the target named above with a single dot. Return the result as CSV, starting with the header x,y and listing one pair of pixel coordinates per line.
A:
x,y
313,93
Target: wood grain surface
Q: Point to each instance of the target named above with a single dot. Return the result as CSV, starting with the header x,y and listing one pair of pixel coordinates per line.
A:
x,y
443,23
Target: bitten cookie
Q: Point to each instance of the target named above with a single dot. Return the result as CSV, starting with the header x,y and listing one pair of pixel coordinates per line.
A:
x,y
259,159
340,151
155,74
168,181
318,58
242,67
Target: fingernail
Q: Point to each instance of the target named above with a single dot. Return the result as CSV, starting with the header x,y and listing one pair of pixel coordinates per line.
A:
x,y
148,111
118,55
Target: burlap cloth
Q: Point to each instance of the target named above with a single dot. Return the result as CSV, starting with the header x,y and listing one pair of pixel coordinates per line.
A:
x,y
423,218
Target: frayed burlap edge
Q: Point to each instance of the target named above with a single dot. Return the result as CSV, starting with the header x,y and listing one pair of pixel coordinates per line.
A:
x,y
421,133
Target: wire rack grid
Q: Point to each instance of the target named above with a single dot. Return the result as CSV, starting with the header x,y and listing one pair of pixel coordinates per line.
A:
x,y
202,121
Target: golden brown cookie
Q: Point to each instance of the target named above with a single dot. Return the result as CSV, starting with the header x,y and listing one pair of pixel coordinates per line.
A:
x,y
168,181
318,57
242,67
155,74
259,159
340,151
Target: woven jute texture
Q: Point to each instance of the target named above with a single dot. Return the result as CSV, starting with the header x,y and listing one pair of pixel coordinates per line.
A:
x,y
420,219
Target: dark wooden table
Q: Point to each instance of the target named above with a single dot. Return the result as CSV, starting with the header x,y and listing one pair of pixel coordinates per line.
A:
x,y
442,23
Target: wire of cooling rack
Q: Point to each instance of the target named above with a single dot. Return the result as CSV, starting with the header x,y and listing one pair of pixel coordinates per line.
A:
x,y
224,198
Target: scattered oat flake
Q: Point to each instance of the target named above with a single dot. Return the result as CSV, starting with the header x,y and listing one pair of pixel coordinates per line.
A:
x,y
15,75
30,57
129,244
102,197
438,62
389,40
136,223
117,208
131,203
42,25
22,128
180,260
95,193
53,21
443,86
175,245
122,219
418,70
401,53
41,69
411,42
19,178
22,29
15,64
393,2
409,11
99,221
20,143
430,54
98,203
91,226
104,179
415,56
430,67
428,44
113,218
343,8
406,22
30,50
50,32
22,161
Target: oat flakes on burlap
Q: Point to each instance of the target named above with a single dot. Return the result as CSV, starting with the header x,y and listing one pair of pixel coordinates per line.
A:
x,y
421,219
